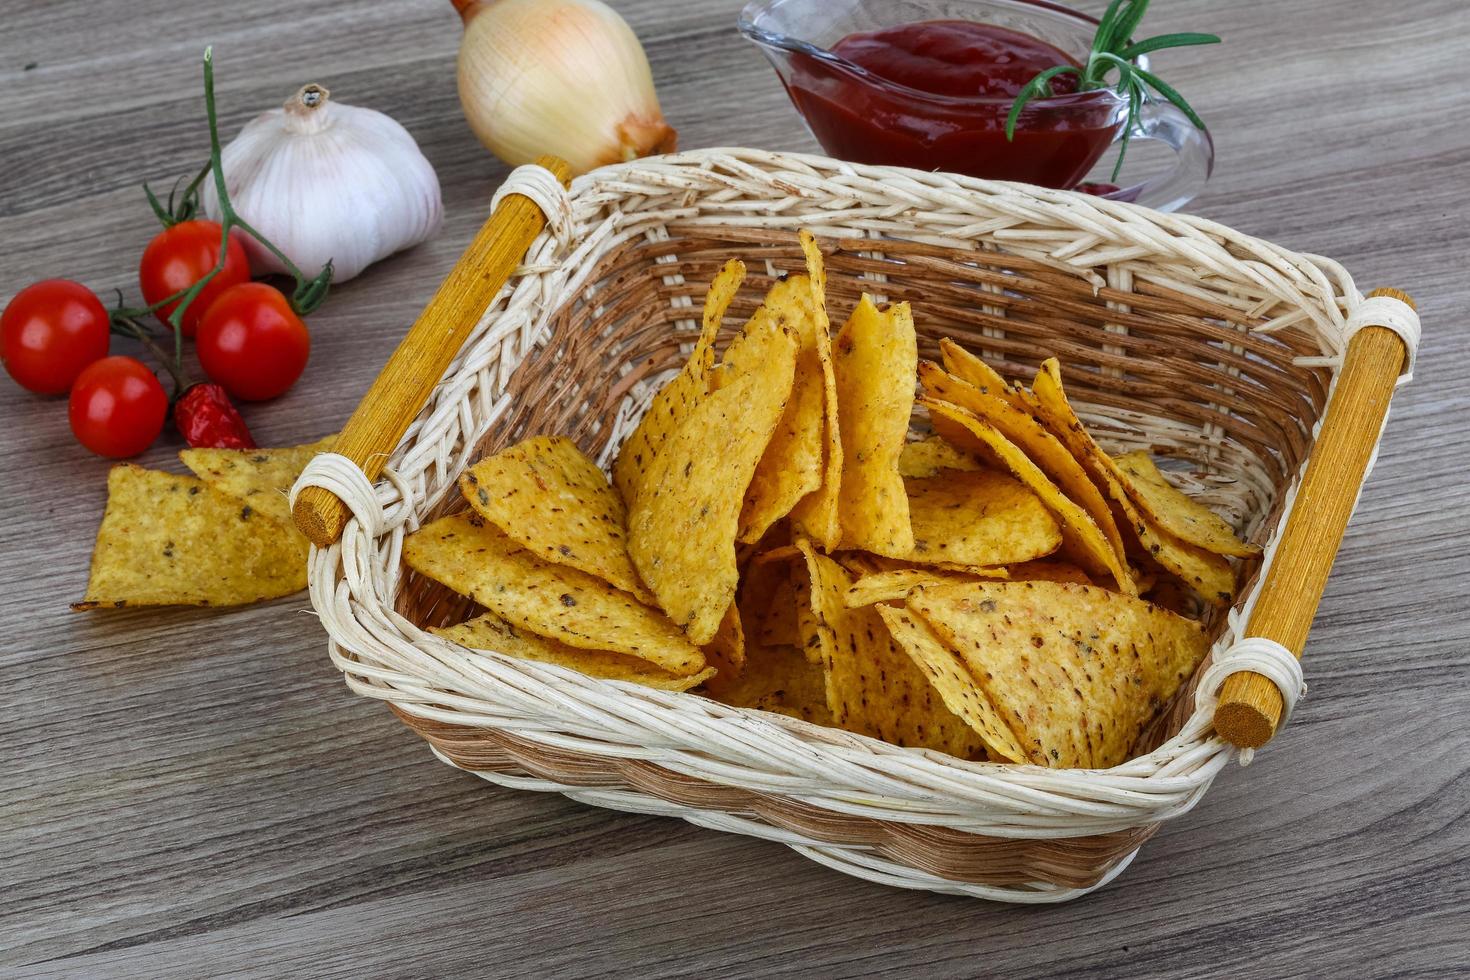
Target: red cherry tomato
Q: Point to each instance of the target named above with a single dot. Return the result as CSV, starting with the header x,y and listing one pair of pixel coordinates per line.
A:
x,y
117,407
49,332
180,256
252,342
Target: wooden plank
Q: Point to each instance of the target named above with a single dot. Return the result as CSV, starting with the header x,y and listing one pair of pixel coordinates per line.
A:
x,y
194,791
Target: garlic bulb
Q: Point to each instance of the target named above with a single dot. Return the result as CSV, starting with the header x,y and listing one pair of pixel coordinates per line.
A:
x,y
323,181
566,77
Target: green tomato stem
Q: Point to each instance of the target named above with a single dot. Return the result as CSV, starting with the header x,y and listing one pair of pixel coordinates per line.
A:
x,y
129,327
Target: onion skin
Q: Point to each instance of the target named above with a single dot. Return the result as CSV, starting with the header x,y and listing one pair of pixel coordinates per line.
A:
x,y
565,77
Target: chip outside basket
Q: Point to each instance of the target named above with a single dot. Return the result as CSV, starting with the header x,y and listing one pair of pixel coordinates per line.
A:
x,y
1181,337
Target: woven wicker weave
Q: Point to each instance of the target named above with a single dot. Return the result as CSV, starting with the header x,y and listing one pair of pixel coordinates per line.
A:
x,y
1177,335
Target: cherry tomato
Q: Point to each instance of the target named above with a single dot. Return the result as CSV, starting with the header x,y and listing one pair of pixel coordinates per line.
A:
x,y
117,407
180,256
252,342
51,330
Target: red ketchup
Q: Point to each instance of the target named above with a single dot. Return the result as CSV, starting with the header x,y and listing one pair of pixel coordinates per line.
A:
x,y
934,95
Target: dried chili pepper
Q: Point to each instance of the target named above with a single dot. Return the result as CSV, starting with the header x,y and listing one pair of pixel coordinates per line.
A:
x,y
206,418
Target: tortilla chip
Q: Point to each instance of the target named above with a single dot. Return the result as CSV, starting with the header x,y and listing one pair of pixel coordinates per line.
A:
x,y
776,555
873,687
682,526
1048,570
1077,672
898,583
967,367
861,563
792,465
978,518
932,456
1030,435
768,606
778,678
261,477
1081,536
1209,575
957,687
170,540
874,358
727,650
550,499
675,400
490,632
1175,596
816,515
1174,512
476,559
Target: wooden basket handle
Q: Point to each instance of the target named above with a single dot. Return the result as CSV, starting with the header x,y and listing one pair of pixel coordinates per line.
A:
x,y
403,387
1250,705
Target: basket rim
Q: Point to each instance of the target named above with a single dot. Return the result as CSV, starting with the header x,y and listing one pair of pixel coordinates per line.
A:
x,y
414,669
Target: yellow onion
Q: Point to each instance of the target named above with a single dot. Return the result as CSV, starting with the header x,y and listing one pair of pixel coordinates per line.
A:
x,y
566,77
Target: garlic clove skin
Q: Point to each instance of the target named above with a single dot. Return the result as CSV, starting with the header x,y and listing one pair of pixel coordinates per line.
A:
x,y
565,77
325,181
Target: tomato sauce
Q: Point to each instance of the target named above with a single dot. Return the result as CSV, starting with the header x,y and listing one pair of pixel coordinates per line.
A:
x,y
934,95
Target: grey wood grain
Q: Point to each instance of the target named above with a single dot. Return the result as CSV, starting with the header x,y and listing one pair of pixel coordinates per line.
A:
x,y
194,792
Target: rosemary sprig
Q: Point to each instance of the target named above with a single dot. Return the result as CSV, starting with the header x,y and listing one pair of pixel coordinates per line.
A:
x,y
1114,53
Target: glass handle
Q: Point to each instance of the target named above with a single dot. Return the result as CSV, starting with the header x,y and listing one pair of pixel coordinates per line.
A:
x,y
1194,154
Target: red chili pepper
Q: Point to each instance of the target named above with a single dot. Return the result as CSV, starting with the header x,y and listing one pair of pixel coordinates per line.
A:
x,y
206,418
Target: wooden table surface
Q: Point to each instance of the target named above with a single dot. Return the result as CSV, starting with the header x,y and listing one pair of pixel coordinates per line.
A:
x,y
193,791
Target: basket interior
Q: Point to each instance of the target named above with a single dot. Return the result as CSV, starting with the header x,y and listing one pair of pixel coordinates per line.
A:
x,y
1148,366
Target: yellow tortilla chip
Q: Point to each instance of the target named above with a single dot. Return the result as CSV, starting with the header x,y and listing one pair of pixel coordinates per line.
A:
x,y
768,606
490,632
682,526
550,499
816,515
861,563
778,678
967,367
1174,512
675,400
873,687
809,627
874,357
776,555
932,456
978,518
1210,576
958,688
898,583
261,478
1077,672
1048,570
727,650
1176,597
1082,537
477,559
1030,435
792,465
170,540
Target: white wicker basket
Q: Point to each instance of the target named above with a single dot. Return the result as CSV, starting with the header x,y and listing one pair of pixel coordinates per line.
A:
x,y
1180,321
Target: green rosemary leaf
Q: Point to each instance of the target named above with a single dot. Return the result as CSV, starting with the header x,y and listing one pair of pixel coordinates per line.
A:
x,y
1167,41
1102,40
1040,86
1135,105
1169,93
1128,21
1125,68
